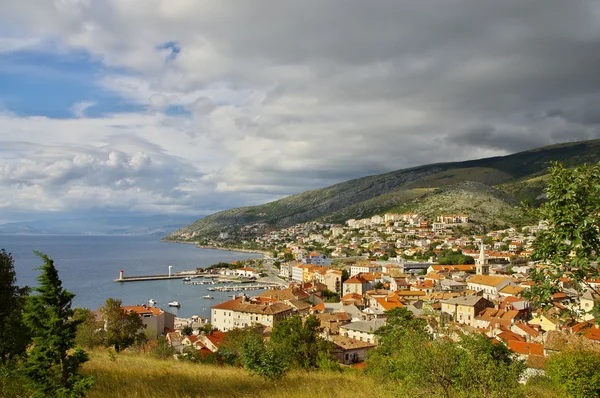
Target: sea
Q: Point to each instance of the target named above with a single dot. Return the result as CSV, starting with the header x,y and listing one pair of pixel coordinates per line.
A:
x,y
89,264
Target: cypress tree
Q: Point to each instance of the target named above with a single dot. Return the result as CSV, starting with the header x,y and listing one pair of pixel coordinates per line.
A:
x,y
14,336
53,361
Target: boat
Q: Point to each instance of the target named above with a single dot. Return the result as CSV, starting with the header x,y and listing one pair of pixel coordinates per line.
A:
x,y
152,301
187,279
208,296
175,304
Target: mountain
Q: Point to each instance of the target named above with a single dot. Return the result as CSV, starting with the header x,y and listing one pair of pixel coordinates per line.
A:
x,y
487,189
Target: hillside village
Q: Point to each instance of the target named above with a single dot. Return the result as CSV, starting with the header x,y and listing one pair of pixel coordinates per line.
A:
x,y
349,275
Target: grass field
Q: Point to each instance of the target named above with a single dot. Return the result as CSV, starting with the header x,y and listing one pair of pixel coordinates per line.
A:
x,y
136,375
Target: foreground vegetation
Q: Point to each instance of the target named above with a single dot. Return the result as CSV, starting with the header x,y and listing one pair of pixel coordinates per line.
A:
x,y
141,375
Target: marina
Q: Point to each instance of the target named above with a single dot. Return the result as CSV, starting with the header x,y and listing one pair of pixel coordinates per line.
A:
x,y
239,288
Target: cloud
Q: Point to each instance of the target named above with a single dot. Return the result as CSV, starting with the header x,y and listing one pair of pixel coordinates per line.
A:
x,y
253,101
79,108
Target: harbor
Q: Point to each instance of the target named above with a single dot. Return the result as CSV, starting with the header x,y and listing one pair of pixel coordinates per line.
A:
x,y
239,288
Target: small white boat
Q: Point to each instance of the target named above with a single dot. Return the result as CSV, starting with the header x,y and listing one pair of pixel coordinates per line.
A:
x,y
175,304
187,279
152,301
208,296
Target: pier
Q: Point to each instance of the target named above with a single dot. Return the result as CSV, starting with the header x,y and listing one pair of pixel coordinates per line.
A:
x,y
148,278
123,278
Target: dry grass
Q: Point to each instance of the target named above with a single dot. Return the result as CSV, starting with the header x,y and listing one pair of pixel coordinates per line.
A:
x,y
138,375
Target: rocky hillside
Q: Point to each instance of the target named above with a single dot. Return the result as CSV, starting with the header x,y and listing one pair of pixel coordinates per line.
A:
x,y
488,189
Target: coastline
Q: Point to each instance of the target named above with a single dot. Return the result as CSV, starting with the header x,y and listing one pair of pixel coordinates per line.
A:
x,y
232,249
229,249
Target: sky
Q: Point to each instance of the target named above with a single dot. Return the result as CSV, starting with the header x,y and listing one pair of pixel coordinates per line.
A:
x,y
190,107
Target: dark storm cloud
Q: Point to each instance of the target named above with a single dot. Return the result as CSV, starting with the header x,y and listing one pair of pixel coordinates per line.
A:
x,y
280,97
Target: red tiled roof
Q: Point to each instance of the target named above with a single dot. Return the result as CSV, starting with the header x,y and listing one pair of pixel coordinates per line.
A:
x,y
521,347
142,309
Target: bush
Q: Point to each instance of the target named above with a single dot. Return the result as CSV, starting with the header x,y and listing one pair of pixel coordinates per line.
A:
x,y
162,349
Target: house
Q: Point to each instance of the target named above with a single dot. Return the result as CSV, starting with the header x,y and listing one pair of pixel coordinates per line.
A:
x,y
387,303
399,284
156,321
348,350
450,269
241,313
331,322
427,286
364,268
492,317
488,284
511,290
247,272
525,331
362,330
524,349
332,278
465,309
212,340
547,321
516,303
193,341
409,295
289,293
355,284
587,302
302,272
285,270
355,299
316,258
450,285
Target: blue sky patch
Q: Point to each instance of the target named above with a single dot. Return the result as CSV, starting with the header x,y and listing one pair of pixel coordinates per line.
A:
x,y
48,84
170,45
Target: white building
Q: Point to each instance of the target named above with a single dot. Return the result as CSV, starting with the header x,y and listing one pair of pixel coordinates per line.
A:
x,y
364,268
362,330
240,313
489,285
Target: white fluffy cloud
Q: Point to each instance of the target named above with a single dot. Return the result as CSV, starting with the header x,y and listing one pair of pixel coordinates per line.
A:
x,y
248,101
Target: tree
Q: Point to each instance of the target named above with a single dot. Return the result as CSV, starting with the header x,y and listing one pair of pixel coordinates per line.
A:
x,y
14,335
206,328
262,359
187,331
576,372
379,285
90,332
230,347
345,275
299,340
288,257
474,366
487,369
53,361
571,244
123,329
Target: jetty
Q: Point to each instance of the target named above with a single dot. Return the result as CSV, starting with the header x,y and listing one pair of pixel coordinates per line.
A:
x,y
148,278
123,278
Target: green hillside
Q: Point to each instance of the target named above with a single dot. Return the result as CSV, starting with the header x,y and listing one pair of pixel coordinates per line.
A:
x,y
497,185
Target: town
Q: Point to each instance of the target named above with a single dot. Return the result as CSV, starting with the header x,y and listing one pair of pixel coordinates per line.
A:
x,y
350,275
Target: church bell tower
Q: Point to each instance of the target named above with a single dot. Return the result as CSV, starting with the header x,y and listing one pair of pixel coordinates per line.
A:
x,y
481,264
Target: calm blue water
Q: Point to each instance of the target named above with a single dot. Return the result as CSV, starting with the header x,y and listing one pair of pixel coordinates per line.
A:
x,y
87,266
